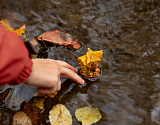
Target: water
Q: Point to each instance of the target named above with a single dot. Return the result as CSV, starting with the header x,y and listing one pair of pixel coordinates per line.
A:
x,y
128,92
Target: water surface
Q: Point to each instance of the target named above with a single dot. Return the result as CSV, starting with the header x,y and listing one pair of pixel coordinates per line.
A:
x,y
128,92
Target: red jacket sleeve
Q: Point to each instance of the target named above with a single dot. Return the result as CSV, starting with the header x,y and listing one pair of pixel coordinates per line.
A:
x,y
15,64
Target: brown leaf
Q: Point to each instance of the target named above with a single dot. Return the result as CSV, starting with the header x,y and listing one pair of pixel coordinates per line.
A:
x,y
59,38
96,73
21,118
33,112
152,12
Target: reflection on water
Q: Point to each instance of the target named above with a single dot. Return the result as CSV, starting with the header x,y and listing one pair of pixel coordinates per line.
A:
x,y
126,30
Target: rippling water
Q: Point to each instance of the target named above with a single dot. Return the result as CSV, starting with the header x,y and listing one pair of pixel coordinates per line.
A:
x,y
128,31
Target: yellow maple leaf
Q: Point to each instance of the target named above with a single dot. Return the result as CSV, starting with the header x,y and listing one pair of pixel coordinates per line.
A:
x,y
60,115
90,61
38,103
20,31
88,115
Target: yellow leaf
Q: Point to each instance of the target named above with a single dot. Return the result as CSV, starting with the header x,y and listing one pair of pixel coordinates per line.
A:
x,y
51,95
19,32
34,56
34,41
88,115
93,56
90,61
83,59
38,103
6,25
60,115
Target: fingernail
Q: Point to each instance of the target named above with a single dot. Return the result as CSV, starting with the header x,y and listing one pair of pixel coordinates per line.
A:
x,y
83,81
75,70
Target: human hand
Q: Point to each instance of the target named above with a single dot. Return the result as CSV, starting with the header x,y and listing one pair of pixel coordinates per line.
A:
x,y
46,75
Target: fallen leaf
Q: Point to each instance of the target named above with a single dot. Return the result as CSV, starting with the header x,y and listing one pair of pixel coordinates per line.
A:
x,y
89,62
34,56
93,56
59,38
6,25
90,74
50,95
152,12
34,41
60,115
21,118
88,115
38,103
33,112
19,32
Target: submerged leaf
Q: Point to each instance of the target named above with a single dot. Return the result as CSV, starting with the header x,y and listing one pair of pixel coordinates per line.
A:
x,y
19,32
6,25
50,95
59,38
88,115
38,103
60,115
34,41
21,118
32,111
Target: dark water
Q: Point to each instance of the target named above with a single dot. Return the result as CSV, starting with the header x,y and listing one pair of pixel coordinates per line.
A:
x,y
128,31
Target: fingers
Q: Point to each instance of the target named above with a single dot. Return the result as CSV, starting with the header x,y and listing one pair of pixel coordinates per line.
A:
x,y
66,65
67,73
50,90
44,91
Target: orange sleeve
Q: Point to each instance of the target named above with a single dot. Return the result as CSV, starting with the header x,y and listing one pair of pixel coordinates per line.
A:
x,y
15,64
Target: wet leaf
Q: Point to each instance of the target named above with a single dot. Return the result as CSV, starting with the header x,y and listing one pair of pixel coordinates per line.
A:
x,y
34,56
60,115
6,25
38,103
34,41
88,115
89,62
152,12
50,95
19,32
21,118
59,38
94,56
32,111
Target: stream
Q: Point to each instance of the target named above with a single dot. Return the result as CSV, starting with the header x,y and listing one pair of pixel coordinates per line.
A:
x,y
128,32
